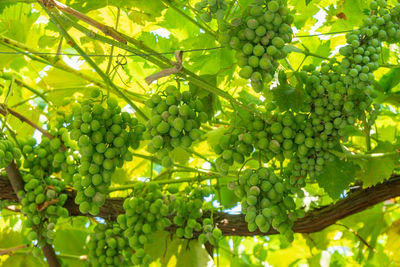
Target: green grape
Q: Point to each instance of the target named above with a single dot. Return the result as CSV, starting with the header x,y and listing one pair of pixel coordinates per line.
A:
x,y
103,145
176,126
267,197
212,9
41,210
108,246
259,37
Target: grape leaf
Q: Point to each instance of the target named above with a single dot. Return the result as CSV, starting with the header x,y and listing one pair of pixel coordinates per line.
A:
x,y
336,177
248,98
389,80
392,246
375,170
288,97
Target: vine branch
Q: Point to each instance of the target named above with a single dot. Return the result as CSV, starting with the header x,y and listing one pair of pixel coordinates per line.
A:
x,y
107,30
235,224
17,184
4,110
106,79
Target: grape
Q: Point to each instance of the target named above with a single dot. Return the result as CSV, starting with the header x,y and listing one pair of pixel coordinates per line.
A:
x,y
107,246
212,9
42,203
103,145
265,201
177,124
259,37
8,152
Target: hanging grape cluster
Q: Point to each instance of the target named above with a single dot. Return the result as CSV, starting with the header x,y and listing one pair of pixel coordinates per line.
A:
x,y
175,122
104,136
210,233
210,9
340,92
108,247
8,152
145,213
259,37
42,203
188,210
266,201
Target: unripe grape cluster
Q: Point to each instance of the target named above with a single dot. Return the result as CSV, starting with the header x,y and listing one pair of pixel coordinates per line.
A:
x,y
259,37
266,201
8,152
188,210
108,247
149,210
210,233
210,9
43,159
340,92
145,213
104,136
175,121
42,203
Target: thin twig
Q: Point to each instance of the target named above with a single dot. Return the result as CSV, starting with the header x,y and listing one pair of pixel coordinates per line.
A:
x,y
9,250
4,110
107,30
358,236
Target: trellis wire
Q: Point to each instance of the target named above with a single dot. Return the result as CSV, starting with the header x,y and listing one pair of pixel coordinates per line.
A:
x,y
105,55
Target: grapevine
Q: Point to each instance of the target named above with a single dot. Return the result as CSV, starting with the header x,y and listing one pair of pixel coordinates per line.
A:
x,y
214,160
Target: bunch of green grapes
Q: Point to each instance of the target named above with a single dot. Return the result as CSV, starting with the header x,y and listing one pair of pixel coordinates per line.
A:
x,y
175,122
187,210
210,233
104,136
266,202
145,213
341,91
43,159
210,9
60,130
108,247
281,136
259,37
42,203
8,152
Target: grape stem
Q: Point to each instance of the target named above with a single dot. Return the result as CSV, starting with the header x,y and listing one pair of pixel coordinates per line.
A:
x,y
169,181
319,34
148,157
4,110
364,156
12,44
162,62
203,27
10,250
106,79
23,84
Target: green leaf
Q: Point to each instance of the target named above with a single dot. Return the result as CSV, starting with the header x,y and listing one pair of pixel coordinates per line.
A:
x,y
336,177
389,80
180,155
27,260
392,99
288,98
392,246
172,251
248,98
376,170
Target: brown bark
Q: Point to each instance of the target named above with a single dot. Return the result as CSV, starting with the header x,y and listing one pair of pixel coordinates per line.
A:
x,y
235,225
15,185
